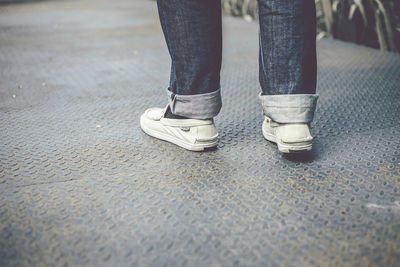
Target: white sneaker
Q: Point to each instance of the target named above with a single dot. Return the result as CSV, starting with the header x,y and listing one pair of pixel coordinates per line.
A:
x,y
290,137
192,134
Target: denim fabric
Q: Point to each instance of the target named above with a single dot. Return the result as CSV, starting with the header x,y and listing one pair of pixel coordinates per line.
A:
x,y
193,32
287,47
201,106
293,108
287,57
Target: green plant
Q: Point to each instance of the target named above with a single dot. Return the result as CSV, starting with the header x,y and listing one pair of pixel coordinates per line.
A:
x,y
364,21
375,23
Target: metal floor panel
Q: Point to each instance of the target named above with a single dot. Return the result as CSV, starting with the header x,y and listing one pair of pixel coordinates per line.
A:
x,y
81,184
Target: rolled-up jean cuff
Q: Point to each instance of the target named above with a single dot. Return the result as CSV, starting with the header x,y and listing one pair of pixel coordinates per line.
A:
x,y
297,108
201,106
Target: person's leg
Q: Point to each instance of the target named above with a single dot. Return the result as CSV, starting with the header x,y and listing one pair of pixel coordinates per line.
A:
x,y
287,71
193,33
192,30
287,59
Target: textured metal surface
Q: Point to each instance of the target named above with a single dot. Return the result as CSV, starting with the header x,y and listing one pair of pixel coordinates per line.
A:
x,y
80,184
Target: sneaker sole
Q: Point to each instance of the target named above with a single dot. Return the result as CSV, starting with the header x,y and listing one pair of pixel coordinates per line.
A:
x,y
284,148
208,145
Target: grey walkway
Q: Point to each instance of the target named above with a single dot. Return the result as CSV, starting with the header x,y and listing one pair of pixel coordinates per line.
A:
x,y
80,184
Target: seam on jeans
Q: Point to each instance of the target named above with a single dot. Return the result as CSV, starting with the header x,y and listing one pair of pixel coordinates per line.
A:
x,y
200,95
167,38
290,107
169,45
273,42
185,43
262,52
292,95
263,105
290,82
172,105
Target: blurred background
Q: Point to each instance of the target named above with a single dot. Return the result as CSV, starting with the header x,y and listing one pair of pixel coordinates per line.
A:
x,y
374,23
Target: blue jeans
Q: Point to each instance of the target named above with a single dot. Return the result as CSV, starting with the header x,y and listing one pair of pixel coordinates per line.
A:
x,y
287,57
